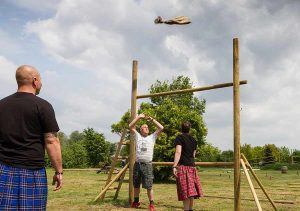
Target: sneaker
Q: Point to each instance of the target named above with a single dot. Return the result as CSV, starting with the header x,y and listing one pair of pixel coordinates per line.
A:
x,y
135,205
151,207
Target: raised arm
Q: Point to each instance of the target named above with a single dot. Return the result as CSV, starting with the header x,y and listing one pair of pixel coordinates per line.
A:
x,y
52,145
159,127
134,121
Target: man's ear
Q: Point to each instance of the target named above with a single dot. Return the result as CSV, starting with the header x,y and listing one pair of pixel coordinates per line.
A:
x,y
34,81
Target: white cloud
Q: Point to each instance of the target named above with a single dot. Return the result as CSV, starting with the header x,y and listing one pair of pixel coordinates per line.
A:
x,y
7,77
195,61
100,39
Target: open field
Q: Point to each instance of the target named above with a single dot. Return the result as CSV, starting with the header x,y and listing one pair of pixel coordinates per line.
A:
x,y
81,187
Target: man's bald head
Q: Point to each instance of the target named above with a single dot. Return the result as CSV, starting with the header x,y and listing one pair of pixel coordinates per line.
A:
x,y
28,76
25,75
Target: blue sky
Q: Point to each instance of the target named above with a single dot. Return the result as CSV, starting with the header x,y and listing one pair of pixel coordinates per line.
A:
x,y
84,51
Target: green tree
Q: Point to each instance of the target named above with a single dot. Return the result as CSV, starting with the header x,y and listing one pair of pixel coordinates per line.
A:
x,y
75,155
76,136
258,154
97,148
246,149
271,153
285,156
208,153
227,156
63,138
170,111
122,124
296,156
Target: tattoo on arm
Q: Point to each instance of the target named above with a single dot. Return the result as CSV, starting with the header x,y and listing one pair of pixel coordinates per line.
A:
x,y
50,135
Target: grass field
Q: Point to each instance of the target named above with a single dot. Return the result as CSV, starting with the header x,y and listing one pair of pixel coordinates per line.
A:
x,y
81,187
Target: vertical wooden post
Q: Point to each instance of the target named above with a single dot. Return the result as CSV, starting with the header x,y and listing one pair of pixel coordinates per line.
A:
x,y
236,122
132,141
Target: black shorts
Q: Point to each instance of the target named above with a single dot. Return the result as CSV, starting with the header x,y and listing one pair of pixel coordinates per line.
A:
x,y
143,173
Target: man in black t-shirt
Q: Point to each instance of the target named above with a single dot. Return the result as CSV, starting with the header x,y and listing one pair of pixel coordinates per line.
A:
x,y
187,180
27,127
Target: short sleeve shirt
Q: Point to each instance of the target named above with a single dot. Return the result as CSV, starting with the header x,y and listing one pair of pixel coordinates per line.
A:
x,y
189,145
24,118
144,147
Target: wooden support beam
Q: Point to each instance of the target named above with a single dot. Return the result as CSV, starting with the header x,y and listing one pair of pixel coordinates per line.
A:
x,y
112,188
127,142
122,157
111,182
204,164
258,181
251,186
183,91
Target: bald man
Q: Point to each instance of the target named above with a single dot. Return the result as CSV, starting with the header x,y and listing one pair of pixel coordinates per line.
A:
x,y
27,127
143,170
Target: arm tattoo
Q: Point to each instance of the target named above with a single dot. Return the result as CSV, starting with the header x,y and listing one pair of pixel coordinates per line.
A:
x,y
50,135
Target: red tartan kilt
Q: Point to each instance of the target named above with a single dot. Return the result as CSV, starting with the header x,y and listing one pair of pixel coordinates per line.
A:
x,y
188,183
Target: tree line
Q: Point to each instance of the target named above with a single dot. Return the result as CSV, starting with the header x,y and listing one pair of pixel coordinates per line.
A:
x,y
87,149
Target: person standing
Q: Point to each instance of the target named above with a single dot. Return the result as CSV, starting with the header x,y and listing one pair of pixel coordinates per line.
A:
x,y
27,127
187,180
143,170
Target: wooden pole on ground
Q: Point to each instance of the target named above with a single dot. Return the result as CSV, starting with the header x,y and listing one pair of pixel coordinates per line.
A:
x,y
111,182
183,91
236,121
249,199
251,185
258,182
132,141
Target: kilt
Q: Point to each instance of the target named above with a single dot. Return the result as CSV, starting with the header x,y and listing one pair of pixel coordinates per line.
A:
x,y
23,189
188,183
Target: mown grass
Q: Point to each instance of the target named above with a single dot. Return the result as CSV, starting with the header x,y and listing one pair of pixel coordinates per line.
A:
x,y
81,187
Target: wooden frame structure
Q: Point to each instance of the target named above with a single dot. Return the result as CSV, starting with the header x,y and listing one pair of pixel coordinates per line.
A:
x,y
236,118
239,159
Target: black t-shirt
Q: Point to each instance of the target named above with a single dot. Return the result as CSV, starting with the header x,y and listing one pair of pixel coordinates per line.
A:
x,y
24,118
189,145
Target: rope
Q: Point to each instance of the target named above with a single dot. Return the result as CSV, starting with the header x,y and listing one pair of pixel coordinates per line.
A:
x,y
180,20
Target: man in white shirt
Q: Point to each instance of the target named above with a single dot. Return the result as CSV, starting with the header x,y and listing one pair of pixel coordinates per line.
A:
x,y
143,170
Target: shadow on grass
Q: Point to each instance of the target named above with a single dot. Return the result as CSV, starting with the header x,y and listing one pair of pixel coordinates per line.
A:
x,y
118,203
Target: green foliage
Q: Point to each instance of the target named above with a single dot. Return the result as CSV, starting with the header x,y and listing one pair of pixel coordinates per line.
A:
x,y
271,153
75,155
246,149
227,156
208,153
76,136
257,155
63,138
295,156
123,123
98,150
284,155
86,149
